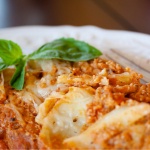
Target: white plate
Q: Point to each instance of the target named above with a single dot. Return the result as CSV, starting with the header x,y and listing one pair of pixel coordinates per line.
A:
x,y
127,48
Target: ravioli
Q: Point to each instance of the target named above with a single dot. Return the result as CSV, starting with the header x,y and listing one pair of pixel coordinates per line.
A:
x,y
63,116
115,123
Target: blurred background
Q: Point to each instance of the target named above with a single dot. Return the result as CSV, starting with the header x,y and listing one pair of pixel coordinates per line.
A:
x,y
132,15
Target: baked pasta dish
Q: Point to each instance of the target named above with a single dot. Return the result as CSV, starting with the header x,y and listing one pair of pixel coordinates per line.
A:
x,y
91,104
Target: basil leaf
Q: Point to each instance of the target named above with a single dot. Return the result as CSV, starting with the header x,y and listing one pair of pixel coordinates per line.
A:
x,y
2,65
17,80
66,49
10,52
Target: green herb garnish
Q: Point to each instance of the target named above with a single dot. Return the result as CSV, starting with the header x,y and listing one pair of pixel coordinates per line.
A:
x,y
64,48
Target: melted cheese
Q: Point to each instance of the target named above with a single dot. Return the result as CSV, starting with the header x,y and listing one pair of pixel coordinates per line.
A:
x,y
37,89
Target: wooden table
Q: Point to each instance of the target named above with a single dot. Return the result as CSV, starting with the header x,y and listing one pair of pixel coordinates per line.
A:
x,y
132,15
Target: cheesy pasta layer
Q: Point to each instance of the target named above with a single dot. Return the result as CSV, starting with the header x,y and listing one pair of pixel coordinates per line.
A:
x,y
94,104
